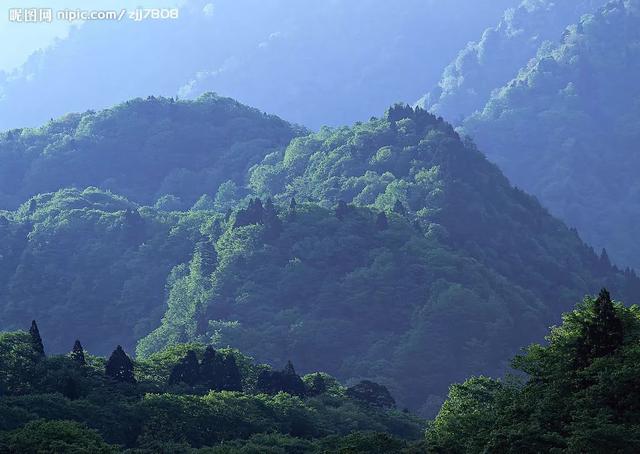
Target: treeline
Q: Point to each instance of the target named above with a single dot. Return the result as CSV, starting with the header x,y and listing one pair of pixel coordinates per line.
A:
x,y
577,393
188,396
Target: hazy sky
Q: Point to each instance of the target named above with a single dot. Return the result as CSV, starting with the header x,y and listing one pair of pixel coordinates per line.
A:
x,y
24,39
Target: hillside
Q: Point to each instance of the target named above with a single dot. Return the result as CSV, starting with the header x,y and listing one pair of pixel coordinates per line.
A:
x,y
489,63
566,129
451,279
142,149
89,263
437,257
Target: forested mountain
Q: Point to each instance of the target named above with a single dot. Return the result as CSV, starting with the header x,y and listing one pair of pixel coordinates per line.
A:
x,y
142,149
314,62
394,250
567,128
447,271
88,263
188,398
580,393
489,63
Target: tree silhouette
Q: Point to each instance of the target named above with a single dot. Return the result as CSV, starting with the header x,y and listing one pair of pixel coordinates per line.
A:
x,y
603,333
36,340
186,371
77,354
120,367
232,378
272,223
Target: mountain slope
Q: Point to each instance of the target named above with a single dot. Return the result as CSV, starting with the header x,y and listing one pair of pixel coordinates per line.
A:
x,y
487,64
566,129
142,149
89,263
461,272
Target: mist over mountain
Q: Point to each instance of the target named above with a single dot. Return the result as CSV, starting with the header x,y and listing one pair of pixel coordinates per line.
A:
x,y
314,62
489,63
567,128
166,260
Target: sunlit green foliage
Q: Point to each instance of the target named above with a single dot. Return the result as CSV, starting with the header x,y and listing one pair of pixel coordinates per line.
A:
x,y
573,398
157,148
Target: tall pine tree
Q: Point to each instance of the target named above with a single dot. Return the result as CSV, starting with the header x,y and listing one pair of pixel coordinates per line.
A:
x,y
36,340
77,354
120,367
186,371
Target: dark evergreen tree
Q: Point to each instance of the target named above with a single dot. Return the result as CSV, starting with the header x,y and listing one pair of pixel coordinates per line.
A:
x,y
120,367
77,354
232,380
372,393
36,340
272,223
292,383
211,374
253,214
341,210
186,371
603,333
382,223
286,380
605,262
399,208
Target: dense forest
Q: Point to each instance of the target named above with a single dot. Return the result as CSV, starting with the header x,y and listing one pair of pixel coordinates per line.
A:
x,y
303,260
492,61
577,393
165,262
186,397
572,122
142,149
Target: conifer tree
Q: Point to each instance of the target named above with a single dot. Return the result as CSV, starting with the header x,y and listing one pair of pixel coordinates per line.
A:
x,y
120,367
291,382
36,340
211,373
232,376
605,332
186,371
272,223
77,354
